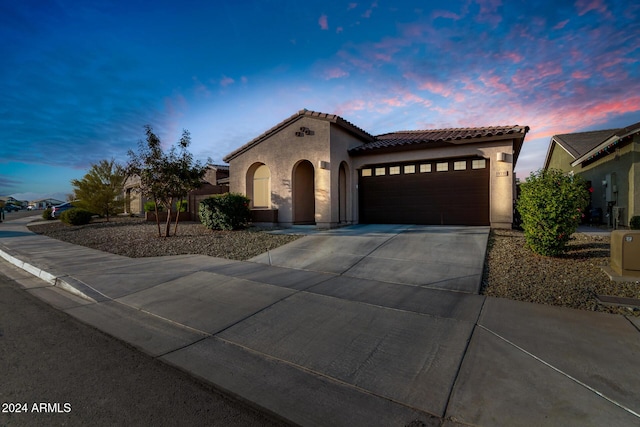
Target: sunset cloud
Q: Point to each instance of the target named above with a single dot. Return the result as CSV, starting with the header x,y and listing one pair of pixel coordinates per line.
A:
x,y
323,22
226,81
335,73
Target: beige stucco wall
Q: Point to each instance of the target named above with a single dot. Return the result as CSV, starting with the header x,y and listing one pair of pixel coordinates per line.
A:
x,y
281,152
501,186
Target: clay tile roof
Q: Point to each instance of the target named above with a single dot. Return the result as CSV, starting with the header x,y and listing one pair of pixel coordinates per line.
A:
x,y
438,137
333,118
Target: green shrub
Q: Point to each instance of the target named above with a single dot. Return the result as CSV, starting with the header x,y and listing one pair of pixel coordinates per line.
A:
x,y
182,205
634,223
76,216
150,206
551,205
46,214
228,211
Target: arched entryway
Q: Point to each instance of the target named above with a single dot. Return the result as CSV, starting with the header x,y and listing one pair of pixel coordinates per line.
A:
x,y
343,198
304,200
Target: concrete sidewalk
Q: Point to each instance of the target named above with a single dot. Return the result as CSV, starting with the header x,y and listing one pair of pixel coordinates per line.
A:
x,y
360,326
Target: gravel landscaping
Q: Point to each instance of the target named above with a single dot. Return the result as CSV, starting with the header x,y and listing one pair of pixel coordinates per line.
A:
x,y
511,270
572,280
136,238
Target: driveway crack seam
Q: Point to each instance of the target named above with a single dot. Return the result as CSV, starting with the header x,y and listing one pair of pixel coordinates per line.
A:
x,y
577,381
372,251
464,355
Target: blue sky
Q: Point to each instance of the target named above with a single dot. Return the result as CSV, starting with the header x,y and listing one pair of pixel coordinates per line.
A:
x,y
80,79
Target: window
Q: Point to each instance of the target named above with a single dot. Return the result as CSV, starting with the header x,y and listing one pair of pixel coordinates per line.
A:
x,y
442,167
479,164
394,170
366,172
460,165
380,171
425,168
410,169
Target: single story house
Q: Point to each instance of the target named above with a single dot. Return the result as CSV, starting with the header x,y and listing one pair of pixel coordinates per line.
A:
x,y
317,168
45,203
610,161
215,181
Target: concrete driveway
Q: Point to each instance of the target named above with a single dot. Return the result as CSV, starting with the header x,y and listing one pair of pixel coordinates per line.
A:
x,y
365,325
438,257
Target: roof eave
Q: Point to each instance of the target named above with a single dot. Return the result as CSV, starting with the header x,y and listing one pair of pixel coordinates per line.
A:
x,y
552,142
516,137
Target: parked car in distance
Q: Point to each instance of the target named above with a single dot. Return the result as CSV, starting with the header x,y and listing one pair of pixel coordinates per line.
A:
x,y
57,210
11,208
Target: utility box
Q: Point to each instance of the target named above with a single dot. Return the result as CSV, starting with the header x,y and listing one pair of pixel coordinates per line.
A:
x,y
625,252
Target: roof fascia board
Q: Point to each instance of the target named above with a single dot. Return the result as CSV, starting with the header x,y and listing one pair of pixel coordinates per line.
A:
x,y
280,126
553,142
594,150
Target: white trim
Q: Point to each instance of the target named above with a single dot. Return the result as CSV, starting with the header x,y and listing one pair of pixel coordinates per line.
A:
x,y
593,151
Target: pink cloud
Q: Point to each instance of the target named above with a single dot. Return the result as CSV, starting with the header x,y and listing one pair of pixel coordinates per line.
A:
x,y
352,6
445,14
580,75
226,81
335,73
200,88
489,11
561,25
351,106
322,21
585,6
403,99
513,56
437,88
368,12
529,77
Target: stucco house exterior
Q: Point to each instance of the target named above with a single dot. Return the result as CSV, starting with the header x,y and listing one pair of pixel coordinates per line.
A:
x,y
215,181
610,161
317,168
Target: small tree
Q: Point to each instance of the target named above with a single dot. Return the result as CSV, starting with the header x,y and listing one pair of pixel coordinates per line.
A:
x,y
551,205
100,191
165,177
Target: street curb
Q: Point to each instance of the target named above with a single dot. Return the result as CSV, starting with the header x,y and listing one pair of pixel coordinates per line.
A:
x,y
54,280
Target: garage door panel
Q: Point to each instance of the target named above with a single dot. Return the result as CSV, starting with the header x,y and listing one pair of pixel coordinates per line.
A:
x,y
450,198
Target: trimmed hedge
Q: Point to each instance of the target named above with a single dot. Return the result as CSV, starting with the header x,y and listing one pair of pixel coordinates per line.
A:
x,y
76,216
228,211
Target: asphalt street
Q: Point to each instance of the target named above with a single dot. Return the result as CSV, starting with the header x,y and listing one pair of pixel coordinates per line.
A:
x,y
55,370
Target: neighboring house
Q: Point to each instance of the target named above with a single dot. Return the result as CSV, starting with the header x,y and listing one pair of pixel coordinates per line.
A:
x,y
610,161
11,200
45,203
215,181
316,168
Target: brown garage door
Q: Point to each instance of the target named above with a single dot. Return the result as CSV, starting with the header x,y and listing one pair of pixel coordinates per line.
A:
x,y
447,192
